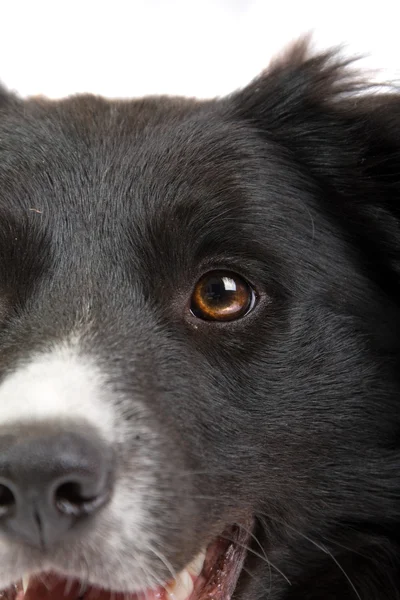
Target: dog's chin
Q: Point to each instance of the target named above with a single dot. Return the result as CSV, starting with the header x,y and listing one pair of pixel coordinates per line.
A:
x,y
213,573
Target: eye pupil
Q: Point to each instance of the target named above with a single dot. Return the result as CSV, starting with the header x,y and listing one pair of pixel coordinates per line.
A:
x,y
221,296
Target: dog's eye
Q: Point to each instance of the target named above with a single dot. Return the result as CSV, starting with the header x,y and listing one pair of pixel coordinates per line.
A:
x,y
222,296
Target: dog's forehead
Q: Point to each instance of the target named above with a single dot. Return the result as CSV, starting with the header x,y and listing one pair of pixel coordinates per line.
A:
x,y
91,173
93,160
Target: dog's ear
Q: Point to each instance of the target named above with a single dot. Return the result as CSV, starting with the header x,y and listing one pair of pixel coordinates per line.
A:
x,y
328,117
344,133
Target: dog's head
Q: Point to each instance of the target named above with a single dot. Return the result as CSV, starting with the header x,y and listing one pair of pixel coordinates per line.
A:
x,y
199,329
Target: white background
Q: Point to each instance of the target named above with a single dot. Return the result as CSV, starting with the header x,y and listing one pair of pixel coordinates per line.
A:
x,y
202,48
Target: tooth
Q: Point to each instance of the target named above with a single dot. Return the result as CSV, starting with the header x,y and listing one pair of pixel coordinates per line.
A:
x,y
196,566
181,588
25,582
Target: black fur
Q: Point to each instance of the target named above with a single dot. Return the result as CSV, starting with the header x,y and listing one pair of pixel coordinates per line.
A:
x,y
290,414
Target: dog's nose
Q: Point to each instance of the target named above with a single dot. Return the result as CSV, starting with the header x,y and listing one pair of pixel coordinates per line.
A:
x,y
49,483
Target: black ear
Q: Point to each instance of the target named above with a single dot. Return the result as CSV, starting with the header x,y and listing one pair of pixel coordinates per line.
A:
x,y
328,117
343,132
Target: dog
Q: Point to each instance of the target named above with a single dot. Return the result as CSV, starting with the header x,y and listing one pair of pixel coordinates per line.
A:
x,y
200,342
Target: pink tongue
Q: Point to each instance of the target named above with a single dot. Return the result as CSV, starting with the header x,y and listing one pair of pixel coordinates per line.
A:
x,y
51,587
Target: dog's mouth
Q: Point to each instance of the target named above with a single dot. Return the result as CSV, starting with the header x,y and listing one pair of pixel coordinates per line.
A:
x,y
212,575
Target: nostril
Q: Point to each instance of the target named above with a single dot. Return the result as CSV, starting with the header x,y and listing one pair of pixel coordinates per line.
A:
x,y
7,500
70,500
51,482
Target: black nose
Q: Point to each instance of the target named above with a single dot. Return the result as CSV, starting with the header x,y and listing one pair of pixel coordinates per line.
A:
x,y
49,483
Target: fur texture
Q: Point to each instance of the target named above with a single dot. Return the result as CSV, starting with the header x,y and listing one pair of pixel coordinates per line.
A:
x,y
110,213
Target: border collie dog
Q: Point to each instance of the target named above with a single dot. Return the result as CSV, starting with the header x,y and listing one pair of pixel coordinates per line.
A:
x,y
200,342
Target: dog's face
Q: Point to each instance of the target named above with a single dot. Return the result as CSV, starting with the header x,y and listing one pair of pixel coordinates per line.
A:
x,y
183,299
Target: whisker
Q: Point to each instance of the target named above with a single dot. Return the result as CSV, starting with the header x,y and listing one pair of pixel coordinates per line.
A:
x,y
165,562
149,579
83,586
329,540
42,579
322,549
258,555
253,576
250,533
68,586
341,568
348,548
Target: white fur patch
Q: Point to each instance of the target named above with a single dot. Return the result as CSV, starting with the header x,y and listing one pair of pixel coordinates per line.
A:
x,y
61,384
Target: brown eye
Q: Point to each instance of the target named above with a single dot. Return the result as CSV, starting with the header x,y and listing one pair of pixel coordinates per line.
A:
x,y
222,296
